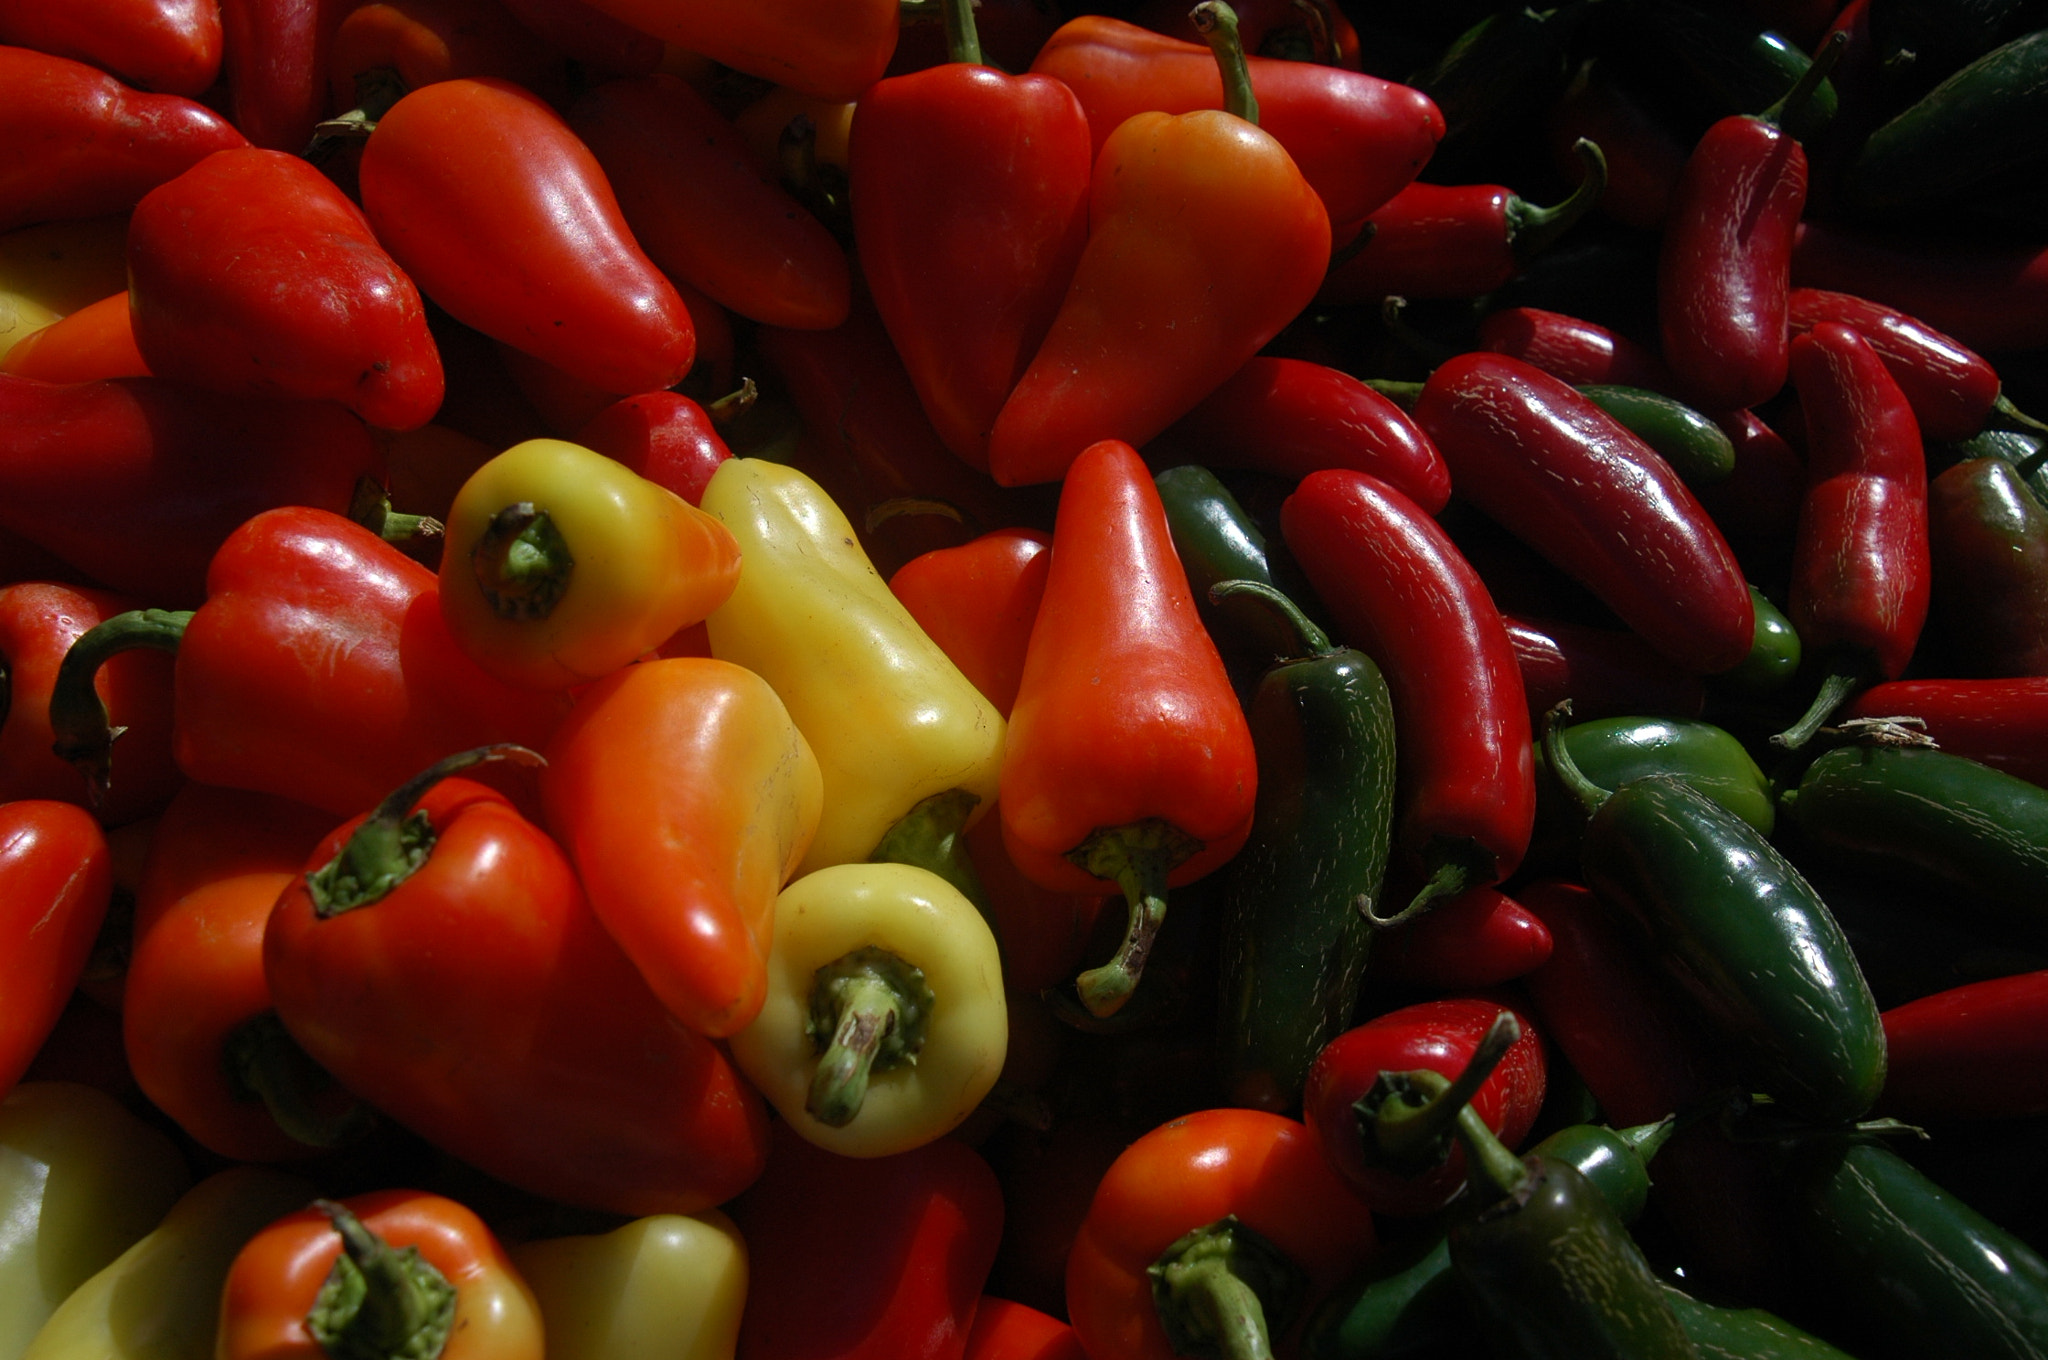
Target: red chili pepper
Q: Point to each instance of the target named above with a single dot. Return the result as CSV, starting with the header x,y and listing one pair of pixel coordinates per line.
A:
x,y
252,274
2001,722
588,36
927,1223
1562,475
1860,570
1399,591
169,46
136,481
1188,1185
56,879
1605,672
96,341
1951,389
938,162
1128,758
1441,1036
1457,240
1572,349
1005,1330
1644,157
485,197
1291,417
1990,295
274,60
701,209
439,957
1480,938
836,52
1979,1051
1757,505
978,602
664,436
85,145
382,48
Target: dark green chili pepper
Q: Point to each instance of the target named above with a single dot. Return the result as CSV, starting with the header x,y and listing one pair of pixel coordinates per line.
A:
x,y
1740,931
2018,447
1217,540
1295,936
1698,63
1699,451
1920,42
1484,83
1745,1333
1773,658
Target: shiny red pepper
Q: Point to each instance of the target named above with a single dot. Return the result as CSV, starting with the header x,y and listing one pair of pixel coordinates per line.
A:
x,y
1979,1051
169,46
1572,349
1005,1330
82,144
2002,722
382,48
1951,388
56,879
978,602
1860,570
835,51
1562,475
1990,295
1605,672
1398,590
664,436
274,59
1480,938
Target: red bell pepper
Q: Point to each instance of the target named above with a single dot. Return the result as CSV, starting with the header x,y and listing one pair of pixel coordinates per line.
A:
x,y
85,145
1291,417
978,602
1443,1036
1860,569
664,436
2001,722
502,216
252,274
137,481
168,46
1542,460
888,1255
1128,759
56,880
1572,349
1190,1196
318,669
439,957
1398,590
1952,389
939,163
1005,1330
1972,1052
274,60
1480,938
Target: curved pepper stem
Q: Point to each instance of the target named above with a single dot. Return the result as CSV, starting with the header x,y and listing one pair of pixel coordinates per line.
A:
x,y
1225,1290
870,1011
370,507
78,717
379,1303
1406,1122
1532,230
1314,641
1452,866
1589,795
1217,23
266,1063
1846,675
1137,857
1793,103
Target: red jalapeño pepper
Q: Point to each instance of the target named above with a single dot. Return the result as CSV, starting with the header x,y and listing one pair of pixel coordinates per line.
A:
x,y
251,273
2000,722
939,163
1480,938
438,956
136,481
56,879
169,46
1540,459
392,1272
887,1255
1972,1052
1134,348
1128,760
1860,568
1951,388
1400,591
1573,349
85,145
1991,295
1225,1223
485,197
318,669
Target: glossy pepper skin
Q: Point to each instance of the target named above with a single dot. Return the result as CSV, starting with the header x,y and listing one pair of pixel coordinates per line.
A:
x,y
1989,295
1566,478
252,273
88,145
423,1257
1284,1231
668,1283
274,58
1148,781
502,216
537,1055
58,878
1987,570
2000,723
1401,592
167,46
978,602
96,341
664,436
837,53
1573,348
1951,388
688,885
1969,1052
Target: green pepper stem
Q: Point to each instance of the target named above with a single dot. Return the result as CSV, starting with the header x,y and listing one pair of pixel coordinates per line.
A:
x,y
1393,316
963,40
1217,23
933,835
264,1061
735,403
370,507
870,1010
1795,100
1314,641
522,563
1454,866
1407,1119
1137,857
1225,1290
393,842
1846,675
1532,230
1562,767
1403,394
78,717
379,1303
1492,1170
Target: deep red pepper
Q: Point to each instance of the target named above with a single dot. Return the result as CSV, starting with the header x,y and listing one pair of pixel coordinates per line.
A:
x,y
1860,570
169,46
136,481
1005,1330
2001,722
82,144
1951,388
1757,505
588,36
1987,294
1573,349
1045,935
382,48
1291,417
1605,672
56,879
1480,938
1398,590
1644,156
1979,1051
940,163
1987,552
664,436
978,602
927,1223
1562,475
274,59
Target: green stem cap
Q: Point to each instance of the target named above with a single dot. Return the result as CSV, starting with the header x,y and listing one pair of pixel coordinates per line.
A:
x,y
522,563
870,1011
78,717
1223,1291
1137,857
1408,1119
379,1303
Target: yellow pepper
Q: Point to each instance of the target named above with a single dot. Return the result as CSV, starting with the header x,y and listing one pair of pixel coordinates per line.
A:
x,y
81,1181
50,270
160,1299
669,1285
885,1022
562,565
891,719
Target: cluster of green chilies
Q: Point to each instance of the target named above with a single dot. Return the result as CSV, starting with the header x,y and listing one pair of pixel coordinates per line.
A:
x,y
1019,682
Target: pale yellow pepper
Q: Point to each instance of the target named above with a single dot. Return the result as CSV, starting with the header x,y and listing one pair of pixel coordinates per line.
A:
x,y
671,1286
50,270
891,719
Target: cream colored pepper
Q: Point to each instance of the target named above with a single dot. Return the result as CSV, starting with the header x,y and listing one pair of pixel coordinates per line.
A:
x,y
669,1285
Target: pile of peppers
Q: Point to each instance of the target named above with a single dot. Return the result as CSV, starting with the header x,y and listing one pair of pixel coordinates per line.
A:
x,y
1023,680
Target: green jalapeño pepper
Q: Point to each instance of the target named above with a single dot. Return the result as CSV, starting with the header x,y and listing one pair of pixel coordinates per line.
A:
x,y
1295,933
1742,934
1219,541
1699,451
